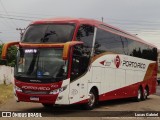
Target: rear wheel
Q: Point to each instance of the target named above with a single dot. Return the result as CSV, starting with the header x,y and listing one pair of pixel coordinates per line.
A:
x,y
92,101
145,94
139,95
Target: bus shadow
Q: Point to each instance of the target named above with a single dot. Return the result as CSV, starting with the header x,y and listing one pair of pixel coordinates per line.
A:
x,y
78,110
115,102
59,111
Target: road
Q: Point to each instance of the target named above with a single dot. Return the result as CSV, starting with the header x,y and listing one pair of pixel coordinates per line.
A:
x,y
109,108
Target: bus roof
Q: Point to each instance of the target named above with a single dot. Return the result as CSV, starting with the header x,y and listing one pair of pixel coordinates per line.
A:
x,y
93,22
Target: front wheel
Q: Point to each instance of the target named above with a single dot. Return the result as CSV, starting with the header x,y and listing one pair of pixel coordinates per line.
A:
x,y
92,101
47,105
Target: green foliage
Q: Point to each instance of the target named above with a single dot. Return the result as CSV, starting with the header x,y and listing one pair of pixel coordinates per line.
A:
x,y
11,56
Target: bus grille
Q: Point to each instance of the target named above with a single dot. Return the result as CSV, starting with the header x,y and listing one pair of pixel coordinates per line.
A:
x,y
36,92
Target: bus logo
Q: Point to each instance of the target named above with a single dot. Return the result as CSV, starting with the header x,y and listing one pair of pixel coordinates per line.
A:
x,y
117,61
105,63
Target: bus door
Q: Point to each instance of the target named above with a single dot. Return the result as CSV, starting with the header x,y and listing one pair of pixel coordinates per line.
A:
x,y
80,62
78,80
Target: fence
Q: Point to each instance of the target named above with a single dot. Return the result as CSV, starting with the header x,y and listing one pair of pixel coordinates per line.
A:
x,y
6,74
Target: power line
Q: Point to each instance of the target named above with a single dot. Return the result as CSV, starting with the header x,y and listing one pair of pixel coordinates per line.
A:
x,y
137,21
15,18
20,16
128,27
5,24
6,11
138,24
135,25
32,14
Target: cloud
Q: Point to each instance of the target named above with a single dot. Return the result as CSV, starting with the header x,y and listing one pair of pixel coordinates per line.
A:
x,y
134,16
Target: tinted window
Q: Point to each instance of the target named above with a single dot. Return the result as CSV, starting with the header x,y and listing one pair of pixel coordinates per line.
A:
x,y
124,45
142,50
85,34
107,42
81,53
80,61
49,33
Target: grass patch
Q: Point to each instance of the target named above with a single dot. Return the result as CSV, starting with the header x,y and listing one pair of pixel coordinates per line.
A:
x,y
6,92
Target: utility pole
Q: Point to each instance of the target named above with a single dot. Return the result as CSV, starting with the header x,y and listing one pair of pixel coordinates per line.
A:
x,y
21,31
102,19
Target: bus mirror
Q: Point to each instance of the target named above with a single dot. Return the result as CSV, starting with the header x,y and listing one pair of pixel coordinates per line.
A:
x,y
5,48
67,47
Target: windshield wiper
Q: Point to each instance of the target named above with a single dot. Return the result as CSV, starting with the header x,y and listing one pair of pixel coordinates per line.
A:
x,y
18,75
33,62
46,36
45,39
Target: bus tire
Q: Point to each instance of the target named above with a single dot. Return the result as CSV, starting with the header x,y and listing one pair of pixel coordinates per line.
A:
x,y
139,95
92,101
47,105
145,94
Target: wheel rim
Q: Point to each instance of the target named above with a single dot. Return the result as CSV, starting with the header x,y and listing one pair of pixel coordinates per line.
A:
x,y
145,94
91,99
139,94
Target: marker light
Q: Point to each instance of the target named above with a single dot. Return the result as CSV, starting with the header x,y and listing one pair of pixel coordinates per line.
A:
x,y
17,89
59,90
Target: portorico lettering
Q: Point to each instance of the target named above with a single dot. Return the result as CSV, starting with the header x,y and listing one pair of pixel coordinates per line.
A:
x,y
133,64
35,88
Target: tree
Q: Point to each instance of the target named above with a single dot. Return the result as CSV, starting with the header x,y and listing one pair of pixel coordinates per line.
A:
x,y
11,56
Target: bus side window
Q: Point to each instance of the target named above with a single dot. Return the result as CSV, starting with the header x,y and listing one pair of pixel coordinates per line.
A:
x,y
80,62
82,53
85,34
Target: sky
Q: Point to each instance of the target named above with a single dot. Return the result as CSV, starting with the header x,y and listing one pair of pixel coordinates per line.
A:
x,y
138,17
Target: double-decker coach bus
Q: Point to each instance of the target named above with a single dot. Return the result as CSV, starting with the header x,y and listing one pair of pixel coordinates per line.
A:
x,y
81,61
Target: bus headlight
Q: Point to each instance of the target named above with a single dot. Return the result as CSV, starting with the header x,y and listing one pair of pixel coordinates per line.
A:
x,y
17,89
59,90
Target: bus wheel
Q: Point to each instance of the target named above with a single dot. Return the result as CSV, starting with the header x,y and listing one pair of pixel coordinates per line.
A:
x,y
139,95
145,94
47,105
92,101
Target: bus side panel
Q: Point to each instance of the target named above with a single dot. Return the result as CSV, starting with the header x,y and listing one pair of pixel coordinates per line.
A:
x,y
97,74
109,79
62,97
134,79
151,78
78,92
119,93
122,81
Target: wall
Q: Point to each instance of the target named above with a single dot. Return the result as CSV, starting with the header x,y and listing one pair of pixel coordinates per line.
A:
x,y
158,59
6,74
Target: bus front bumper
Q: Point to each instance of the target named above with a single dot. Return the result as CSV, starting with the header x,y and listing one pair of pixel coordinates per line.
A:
x,y
50,99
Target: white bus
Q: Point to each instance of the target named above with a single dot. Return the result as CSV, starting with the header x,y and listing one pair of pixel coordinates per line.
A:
x,y
81,61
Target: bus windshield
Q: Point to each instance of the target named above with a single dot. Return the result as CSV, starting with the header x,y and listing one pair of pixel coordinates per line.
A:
x,y
46,63
49,33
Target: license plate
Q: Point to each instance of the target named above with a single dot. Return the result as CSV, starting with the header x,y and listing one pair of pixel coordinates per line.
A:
x,y
33,98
